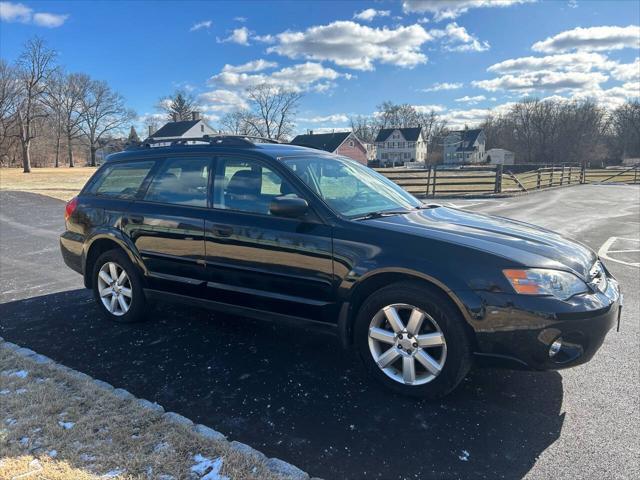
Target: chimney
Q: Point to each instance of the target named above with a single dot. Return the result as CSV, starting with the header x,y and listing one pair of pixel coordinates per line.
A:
x,y
174,117
195,115
310,132
150,131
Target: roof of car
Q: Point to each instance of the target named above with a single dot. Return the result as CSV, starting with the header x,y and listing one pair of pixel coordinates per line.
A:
x,y
273,150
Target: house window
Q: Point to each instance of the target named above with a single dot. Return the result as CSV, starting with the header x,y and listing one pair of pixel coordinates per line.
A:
x,y
202,128
351,143
385,156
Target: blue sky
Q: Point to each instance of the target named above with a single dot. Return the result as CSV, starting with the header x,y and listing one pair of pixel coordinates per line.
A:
x,y
463,59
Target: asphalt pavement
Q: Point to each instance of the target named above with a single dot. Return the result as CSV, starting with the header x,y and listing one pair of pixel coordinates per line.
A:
x,y
294,394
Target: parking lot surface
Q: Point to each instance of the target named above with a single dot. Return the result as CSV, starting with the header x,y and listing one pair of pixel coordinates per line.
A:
x,y
294,394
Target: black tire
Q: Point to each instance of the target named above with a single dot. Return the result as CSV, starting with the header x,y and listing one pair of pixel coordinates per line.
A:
x,y
448,318
136,312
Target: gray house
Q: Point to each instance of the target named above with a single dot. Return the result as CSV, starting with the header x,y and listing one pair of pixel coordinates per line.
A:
x,y
464,146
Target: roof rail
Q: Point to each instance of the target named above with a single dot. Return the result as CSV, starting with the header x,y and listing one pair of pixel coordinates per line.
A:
x,y
223,140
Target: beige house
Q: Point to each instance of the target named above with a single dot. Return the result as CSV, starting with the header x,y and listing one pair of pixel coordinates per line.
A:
x,y
397,146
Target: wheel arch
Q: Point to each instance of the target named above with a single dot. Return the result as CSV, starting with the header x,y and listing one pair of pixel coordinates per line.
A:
x,y
374,281
103,242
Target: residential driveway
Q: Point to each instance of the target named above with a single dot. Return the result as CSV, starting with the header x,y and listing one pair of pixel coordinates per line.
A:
x,y
294,394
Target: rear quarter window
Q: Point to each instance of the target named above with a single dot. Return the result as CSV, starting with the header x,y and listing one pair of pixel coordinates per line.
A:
x,y
121,180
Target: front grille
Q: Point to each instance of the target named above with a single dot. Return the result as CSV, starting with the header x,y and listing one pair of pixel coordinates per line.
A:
x,y
598,277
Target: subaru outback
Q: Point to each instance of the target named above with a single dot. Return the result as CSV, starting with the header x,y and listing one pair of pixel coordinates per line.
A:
x,y
283,232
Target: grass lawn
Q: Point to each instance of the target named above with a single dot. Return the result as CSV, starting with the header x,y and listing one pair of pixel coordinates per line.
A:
x,y
57,426
62,183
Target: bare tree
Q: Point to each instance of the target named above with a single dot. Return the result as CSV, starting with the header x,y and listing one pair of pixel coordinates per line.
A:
x,y
178,107
235,123
364,127
8,91
74,94
273,110
33,70
625,125
55,100
103,112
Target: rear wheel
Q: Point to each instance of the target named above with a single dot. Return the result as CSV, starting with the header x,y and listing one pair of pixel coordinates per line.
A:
x,y
412,339
117,287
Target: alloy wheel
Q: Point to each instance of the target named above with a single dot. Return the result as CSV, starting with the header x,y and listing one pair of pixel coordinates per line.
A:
x,y
114,287
407,344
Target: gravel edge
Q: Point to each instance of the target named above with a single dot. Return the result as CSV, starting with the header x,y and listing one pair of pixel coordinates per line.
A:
x,y
276,465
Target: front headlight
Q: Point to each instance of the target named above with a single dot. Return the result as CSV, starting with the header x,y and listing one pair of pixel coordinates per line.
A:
x,y
541,281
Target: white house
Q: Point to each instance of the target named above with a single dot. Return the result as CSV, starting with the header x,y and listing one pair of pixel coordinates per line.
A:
x,y
500,156
464,146
196,127
395,146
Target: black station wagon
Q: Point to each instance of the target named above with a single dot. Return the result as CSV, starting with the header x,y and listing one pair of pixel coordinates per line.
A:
x,y
275,231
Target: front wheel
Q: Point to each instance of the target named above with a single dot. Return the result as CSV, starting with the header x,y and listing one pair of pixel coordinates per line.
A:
x,y
413,340
117,288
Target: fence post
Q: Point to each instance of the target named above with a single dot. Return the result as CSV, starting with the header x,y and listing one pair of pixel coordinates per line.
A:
x,y
583,173
551,176
539,179
635,174
562,176
435,171
428,180
570,172
498,182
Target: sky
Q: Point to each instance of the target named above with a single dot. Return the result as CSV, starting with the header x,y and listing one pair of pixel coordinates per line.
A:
x,y
464,59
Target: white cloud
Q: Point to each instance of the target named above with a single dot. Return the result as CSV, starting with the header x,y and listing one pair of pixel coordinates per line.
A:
x,y
49,20
543,80
626,71
240,19
443,86
580,61
300,77
457,39
200,25
239,36
18,12
15,12
429,108
471,100
252,66
473,116
222,100
370,13
592,38
450,9
334,118
349,44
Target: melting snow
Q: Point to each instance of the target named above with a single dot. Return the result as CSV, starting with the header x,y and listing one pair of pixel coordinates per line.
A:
x,y
208,469
66,425
15,373
113,473
464,456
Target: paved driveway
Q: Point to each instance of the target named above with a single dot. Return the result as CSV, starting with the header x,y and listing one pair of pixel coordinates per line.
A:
x,y
294,394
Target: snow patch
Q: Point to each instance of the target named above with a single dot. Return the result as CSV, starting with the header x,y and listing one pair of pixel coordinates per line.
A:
x,y
116,472
464,456
208,469
15,373
66,425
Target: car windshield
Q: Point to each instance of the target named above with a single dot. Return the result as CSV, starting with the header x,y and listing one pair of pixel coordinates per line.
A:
x,y
350,188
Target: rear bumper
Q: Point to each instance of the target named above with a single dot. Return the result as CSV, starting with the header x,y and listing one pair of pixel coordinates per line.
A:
x,y
71,247
518,331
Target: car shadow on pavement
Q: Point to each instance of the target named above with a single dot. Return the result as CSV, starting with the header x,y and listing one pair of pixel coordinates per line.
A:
x,y
295,394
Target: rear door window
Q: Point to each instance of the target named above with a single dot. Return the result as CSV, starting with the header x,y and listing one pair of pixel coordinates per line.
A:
x,y
121,180
181,181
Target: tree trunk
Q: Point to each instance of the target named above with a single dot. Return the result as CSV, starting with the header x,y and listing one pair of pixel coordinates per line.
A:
x,y
70,151
58,151
93,155
26,158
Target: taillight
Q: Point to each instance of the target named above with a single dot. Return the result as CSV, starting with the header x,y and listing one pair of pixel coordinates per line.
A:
x,y
70,208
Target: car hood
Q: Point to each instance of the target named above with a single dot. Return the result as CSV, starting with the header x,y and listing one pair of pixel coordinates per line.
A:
x,y
523,243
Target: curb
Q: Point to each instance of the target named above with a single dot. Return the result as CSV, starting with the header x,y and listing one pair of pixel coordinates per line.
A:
x,y
275,465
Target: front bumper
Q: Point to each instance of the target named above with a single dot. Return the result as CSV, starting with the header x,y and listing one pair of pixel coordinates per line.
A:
x,y
519,330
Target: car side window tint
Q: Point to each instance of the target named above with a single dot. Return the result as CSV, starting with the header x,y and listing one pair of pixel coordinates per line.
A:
x,y
181,181
122,180
247,186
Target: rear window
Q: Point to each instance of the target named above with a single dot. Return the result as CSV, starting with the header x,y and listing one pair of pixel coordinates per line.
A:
x,y
181,181
121,180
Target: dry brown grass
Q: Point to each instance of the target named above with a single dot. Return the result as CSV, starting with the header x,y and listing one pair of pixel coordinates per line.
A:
x,y
109,434
62,183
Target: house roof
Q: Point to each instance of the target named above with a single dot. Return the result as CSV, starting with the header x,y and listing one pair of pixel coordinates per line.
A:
x,y
175,129
329,142
467,138
409,134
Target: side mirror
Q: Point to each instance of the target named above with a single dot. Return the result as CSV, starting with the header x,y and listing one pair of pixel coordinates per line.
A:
x,y
288,206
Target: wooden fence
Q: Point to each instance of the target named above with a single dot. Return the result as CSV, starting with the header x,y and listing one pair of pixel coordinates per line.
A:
x,y
447,181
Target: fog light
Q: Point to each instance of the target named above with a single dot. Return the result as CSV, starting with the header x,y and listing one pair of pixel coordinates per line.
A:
x,y
555,347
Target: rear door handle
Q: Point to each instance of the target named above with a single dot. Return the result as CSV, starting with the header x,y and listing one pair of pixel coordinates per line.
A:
x,y
222,230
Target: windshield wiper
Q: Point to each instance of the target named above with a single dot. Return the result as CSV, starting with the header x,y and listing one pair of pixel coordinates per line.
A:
x,y
381,213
